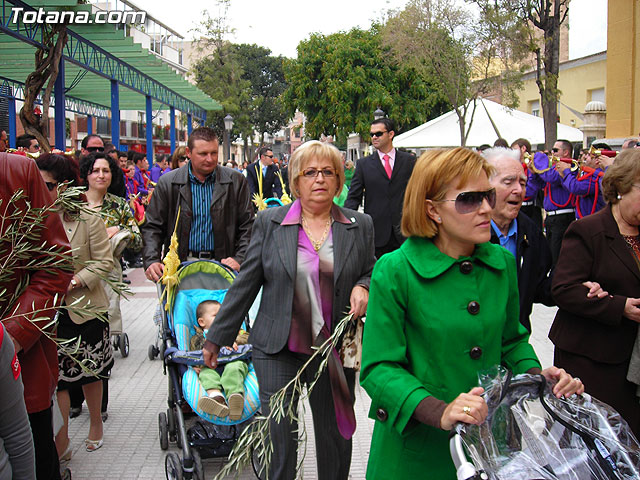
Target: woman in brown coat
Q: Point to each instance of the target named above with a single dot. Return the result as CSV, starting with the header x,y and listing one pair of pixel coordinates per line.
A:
x,y
594,337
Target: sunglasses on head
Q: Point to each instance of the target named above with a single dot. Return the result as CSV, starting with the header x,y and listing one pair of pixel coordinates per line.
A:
x,y
51,185
95,149
313,172
467,202
377,134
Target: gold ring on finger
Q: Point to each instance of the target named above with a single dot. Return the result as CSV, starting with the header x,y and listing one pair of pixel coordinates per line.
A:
x,y
467,409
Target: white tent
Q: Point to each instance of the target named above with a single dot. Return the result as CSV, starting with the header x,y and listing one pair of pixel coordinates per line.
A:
x,y
490,121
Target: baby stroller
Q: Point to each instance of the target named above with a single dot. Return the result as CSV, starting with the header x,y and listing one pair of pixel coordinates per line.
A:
x,y
530,434
210,436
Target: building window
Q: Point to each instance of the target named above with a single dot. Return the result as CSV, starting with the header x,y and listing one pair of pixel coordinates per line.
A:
x,y
534,108
597,94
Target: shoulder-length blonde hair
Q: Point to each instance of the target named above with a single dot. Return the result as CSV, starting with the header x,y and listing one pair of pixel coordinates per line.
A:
x,y
308,150
620,177
431,178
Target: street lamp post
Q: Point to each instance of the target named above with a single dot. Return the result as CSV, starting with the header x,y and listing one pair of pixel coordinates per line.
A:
x,y
228,125
378,114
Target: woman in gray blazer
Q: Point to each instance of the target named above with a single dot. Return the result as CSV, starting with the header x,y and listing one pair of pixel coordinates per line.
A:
x,y
314,262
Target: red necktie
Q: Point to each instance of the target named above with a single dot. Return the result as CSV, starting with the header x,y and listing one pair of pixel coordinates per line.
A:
x,y
387,165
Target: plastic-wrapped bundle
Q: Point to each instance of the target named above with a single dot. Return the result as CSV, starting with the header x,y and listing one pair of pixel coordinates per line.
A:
x,y
531,434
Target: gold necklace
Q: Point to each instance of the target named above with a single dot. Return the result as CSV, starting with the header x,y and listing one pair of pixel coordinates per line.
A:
x,y
307,230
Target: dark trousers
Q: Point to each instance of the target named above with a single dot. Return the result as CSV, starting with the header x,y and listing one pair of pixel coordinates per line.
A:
x,y
555,226
333,452
391,245
47,464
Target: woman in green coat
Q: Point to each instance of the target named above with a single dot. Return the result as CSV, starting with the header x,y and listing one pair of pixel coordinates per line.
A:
x,y
442,308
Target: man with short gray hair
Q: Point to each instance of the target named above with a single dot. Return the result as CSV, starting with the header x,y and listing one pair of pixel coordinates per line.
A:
x,y
518,233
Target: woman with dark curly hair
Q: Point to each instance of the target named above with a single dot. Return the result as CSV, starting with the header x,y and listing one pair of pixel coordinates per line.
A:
x,y
90,243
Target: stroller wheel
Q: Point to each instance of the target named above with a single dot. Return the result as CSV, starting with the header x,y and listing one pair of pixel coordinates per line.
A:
x,y
164,434
115,342
198,471
172,466
171,421
152,352
124,345
256,463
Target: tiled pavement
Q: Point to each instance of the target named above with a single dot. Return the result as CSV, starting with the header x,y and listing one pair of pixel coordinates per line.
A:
x,y
138,391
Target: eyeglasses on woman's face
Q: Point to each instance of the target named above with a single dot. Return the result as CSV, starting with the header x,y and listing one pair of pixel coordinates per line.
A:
x,y
314,172
468,202
51,185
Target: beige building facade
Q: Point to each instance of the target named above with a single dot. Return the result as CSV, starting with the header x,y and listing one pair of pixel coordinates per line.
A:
x,y
580,81
623,68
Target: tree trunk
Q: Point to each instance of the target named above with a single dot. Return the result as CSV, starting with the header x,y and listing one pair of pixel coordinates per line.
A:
x,y
549,96
47,64
463,137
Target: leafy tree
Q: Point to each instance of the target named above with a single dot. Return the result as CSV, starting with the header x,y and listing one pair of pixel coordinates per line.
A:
x,y
246,79
339,80
265,75
536,18
438,38
219,74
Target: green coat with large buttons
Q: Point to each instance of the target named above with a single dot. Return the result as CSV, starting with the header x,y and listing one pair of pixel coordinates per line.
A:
x,y
434,322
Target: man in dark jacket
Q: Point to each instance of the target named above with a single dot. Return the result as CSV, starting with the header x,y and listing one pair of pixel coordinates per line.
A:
x,y
215,210
518,233
521,236
382,177
30,289
266,170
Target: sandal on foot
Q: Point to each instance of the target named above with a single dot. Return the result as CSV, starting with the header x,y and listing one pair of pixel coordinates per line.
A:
x,y
236,406
214,406
93,445
66,455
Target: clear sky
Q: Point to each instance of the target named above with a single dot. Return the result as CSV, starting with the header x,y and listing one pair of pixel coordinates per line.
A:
x,y
280,25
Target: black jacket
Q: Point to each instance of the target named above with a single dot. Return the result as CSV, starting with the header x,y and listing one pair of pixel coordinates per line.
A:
x,y
383,197
270,182
231,213
533,260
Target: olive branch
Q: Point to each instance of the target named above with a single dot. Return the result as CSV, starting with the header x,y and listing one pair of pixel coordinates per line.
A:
x,y
255,441
22,252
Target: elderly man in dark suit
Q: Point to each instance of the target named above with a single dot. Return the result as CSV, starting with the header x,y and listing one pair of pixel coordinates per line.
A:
x,y
516,232
382,177
313,261
266,169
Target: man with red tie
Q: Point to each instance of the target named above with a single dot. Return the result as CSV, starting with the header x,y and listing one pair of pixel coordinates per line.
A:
x,y
382,177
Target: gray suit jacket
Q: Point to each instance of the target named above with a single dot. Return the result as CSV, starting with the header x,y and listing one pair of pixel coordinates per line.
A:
x,y
271,263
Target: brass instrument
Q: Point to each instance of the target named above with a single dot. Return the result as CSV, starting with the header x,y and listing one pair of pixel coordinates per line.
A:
x,y
594,152
553,162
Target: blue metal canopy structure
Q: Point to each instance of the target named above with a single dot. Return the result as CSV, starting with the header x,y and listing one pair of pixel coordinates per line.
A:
x,y
102,70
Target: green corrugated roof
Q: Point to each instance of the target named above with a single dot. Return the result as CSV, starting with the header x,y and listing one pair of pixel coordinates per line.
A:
x,y
17,62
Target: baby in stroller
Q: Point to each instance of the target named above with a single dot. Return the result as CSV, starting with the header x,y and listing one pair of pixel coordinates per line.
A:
x,y
229,376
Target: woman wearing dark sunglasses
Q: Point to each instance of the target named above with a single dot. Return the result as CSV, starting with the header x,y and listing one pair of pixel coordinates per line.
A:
x,y
442,308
